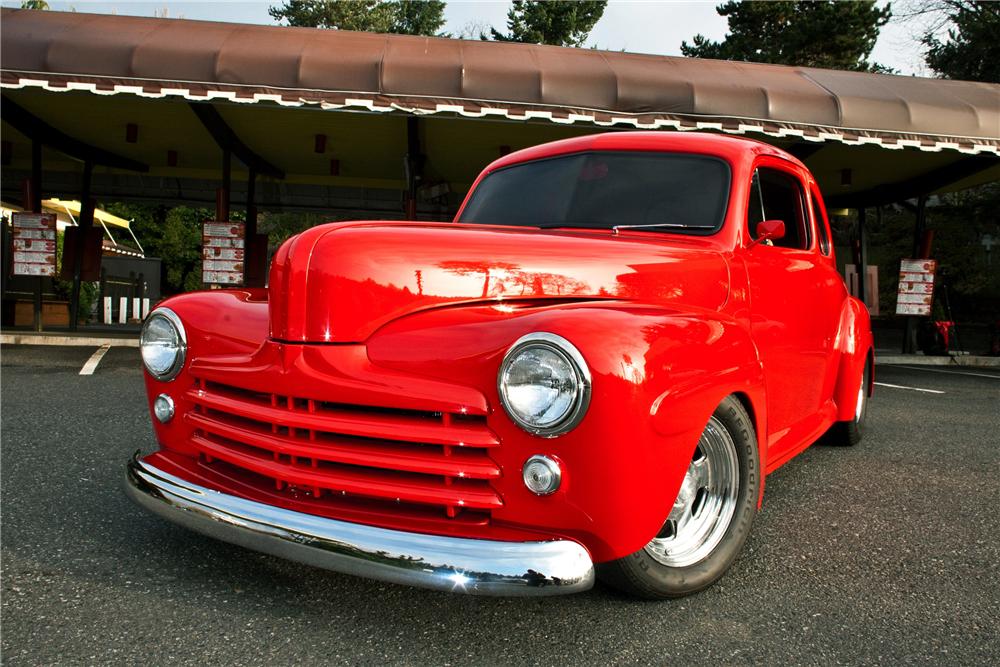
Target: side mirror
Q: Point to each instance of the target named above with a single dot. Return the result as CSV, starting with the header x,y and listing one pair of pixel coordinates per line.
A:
x,y
769,230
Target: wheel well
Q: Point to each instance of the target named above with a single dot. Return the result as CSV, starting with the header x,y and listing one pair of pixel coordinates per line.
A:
x,y
748,406
871,372
761,442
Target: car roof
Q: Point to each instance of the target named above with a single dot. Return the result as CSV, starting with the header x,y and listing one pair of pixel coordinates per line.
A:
x,y
727,147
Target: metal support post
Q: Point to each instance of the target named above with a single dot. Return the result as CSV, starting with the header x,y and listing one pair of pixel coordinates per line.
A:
x,y
84,225
910,334
35,206
222,196
251,258
863,256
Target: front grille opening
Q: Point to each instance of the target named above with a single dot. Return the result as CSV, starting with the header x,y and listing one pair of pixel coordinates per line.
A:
x,y
317,451
308,405
313,436
316,463
344,505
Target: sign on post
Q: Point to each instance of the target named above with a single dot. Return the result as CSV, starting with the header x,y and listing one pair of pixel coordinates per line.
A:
x,y
34,244
916,287
222,253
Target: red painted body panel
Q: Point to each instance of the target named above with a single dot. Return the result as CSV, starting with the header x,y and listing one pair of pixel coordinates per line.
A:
x,y
343,302
362,385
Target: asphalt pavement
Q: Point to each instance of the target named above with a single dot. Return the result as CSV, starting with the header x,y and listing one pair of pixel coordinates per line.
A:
x,y
884,553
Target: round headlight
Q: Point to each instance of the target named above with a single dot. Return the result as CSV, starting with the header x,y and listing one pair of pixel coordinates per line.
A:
x,y
163,344
544,384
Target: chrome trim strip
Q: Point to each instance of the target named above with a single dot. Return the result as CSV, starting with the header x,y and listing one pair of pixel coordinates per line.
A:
x,y
479,567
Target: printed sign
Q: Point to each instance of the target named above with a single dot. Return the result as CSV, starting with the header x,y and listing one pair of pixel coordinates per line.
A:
x,y
34,244
222,253
916,287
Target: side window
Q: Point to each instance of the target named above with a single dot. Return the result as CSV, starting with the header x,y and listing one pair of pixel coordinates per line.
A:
x,y
776,195
821,227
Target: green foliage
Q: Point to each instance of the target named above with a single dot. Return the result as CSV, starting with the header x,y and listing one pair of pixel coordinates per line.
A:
x,y
972,276
557,23
960,221
826,33
279,227
971,51
405,17
419,17
35,4
173,235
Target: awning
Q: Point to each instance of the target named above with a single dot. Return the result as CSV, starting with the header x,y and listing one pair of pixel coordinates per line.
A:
x,y
71,209
329,69
67,211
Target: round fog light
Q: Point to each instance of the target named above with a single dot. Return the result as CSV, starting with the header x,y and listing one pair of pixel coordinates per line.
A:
x,y
541,475
163,408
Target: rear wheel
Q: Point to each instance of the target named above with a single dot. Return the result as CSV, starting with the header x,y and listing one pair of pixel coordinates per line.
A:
x,y
710,518
849,433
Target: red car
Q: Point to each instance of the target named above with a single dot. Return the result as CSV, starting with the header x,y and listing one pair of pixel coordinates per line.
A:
x,y
588,373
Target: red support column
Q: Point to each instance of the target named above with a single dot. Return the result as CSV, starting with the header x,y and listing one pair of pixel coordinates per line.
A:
x,y
84,224
33,203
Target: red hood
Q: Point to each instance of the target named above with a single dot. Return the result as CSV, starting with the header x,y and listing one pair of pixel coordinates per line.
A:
x,y
339,283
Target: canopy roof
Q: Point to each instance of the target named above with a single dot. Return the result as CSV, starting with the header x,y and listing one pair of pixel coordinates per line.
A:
x,y
333,69
346,123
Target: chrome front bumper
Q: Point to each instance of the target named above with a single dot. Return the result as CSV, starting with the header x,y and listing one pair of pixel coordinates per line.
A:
x,y
481,567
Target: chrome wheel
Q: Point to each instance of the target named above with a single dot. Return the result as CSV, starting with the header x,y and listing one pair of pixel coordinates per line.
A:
x,y
705,504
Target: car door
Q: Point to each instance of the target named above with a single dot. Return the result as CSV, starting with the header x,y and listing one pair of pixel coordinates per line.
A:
x,y
793,310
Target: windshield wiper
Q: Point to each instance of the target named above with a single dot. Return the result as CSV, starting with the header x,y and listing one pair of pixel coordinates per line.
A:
x,y
668,225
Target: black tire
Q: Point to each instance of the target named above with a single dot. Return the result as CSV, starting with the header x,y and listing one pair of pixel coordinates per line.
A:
x,y
849,433
642,575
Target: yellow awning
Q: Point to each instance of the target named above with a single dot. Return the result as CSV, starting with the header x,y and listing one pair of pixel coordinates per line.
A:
x,y
72,207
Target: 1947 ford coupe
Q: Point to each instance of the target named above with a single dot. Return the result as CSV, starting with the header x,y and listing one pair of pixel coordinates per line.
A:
x,y
587,374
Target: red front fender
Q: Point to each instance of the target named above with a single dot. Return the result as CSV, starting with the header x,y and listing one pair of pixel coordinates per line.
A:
x,y
657,377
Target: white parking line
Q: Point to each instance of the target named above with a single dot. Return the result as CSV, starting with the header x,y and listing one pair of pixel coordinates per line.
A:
x,y
95,358
899,386
936,370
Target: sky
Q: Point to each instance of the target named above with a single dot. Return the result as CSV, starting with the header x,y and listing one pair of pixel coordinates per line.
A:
x,y
639,26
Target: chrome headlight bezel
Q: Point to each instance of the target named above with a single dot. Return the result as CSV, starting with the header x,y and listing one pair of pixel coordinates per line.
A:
x,y
562,347
181,351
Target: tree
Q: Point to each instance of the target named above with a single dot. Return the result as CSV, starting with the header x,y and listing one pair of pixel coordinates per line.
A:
x,y
34,4
830,34
419,17
971,50
405,17
557,23
173,235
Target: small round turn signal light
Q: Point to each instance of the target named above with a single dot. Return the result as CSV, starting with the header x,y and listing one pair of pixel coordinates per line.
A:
x,y
541,475
163,408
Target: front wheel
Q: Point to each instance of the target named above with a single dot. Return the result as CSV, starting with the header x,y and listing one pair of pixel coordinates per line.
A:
x,y
710,518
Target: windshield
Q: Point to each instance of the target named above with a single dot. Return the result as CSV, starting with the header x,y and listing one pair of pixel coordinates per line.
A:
x,y
678,192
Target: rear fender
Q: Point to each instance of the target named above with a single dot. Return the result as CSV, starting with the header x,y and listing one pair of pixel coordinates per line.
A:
x,y
855,344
